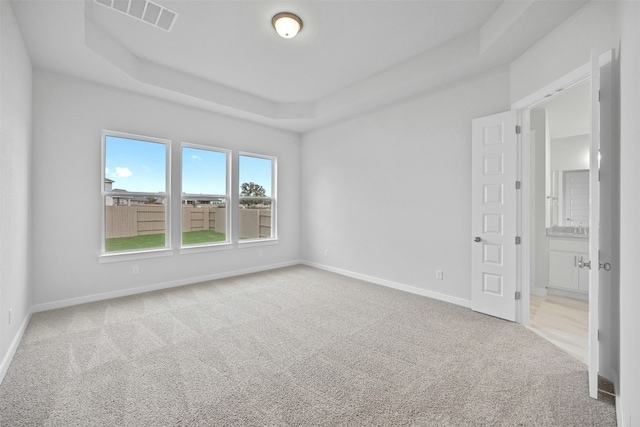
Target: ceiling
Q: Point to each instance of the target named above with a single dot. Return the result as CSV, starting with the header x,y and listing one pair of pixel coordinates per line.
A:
x,y
224,56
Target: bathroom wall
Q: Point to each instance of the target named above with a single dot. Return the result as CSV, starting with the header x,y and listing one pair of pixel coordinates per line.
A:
x,y
570,153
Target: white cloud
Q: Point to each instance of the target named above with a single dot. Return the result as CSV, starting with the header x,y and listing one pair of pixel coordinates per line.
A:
x,y
122,172
194,157
146,168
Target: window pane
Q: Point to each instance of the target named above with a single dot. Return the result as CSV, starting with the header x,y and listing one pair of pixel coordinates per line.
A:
x,y
255,216
204,171
135,172
134,165
204,221
255,176
134,223
255,219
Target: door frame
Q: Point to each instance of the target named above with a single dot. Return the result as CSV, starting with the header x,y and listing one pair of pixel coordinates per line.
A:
x,y
526,264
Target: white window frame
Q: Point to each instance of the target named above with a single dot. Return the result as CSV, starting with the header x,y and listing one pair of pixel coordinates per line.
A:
x,y
166,195
273,198
227,244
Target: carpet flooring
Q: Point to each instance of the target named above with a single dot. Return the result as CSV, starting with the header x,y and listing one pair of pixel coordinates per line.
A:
x,y
295,346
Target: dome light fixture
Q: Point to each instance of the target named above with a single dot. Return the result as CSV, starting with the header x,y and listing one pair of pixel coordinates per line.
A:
x,y
287,24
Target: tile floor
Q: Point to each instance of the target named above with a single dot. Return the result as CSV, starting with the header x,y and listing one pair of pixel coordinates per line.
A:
x,y
563,321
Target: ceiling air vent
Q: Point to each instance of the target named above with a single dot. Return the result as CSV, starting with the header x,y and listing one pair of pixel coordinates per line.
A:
x,y
144,10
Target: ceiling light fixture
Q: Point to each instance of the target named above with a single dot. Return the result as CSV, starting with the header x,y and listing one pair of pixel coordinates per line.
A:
x,y
287,24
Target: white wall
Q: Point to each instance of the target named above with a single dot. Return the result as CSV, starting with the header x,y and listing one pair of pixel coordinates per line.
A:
x,y
69,115
388,193
629,292
570,153
15,183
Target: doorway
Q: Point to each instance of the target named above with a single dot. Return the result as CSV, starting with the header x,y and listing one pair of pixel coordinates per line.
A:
x,y
598,268
559,140
501,287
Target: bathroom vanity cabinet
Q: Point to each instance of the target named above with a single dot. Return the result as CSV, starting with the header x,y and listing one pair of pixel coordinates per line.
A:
x,y
564,256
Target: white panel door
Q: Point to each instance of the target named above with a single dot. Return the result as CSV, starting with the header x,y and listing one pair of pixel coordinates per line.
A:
x,y
494,214
601,217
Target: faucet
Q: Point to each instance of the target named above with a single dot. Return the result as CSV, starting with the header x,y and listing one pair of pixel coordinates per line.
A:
x,y
580,229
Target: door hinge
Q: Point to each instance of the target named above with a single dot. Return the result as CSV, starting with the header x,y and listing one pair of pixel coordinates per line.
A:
x,y
518,184
599,98
518,240
518,295
518,129
598,334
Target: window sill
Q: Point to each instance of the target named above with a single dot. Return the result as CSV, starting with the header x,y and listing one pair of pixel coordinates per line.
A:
x,y
254,243
129,256
185,250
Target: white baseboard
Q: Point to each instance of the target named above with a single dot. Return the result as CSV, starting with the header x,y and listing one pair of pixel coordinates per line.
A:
x,y
8,357
391,284
155,287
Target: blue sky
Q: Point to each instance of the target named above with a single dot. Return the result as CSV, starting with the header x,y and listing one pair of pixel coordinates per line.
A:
x,y
140,166
135,165
203,171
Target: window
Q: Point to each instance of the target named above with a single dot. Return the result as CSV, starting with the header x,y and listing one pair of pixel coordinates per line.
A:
x,y
136,212
134,192
205,195
257,210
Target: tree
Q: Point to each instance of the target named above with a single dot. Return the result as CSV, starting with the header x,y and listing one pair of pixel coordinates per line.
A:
x,y
251,189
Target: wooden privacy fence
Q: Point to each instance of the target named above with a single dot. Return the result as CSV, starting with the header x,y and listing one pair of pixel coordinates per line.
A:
x,y
211,217
138,220
255,223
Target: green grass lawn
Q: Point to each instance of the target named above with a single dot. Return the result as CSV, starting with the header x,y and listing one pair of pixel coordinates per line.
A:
x,y
117,244
204,236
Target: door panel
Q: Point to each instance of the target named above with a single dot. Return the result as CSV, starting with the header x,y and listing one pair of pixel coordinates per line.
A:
x,y
601,217
494,151
609,188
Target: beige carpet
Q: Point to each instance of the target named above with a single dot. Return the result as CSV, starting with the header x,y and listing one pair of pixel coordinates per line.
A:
x,y
290,347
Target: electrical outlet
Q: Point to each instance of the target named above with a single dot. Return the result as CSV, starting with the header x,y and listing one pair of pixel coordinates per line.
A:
x,y
439,274
326,252
10,315
136,270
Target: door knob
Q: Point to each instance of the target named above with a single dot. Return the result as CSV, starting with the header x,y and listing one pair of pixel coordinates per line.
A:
x,y
583,264
477,239
606,266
